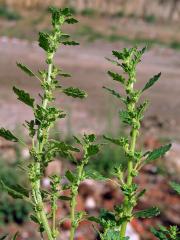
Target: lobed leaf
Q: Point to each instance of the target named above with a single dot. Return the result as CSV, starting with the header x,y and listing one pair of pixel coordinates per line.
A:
x,y
25,69
148,213
75,92
151,82
24,97
157,153
6,134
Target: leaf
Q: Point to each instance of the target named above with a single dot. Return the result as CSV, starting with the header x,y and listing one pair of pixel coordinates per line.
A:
x,y
44,41
4,237
15,191
157,153
65,198
113,61
6,134
90,138
24,97
175,186
92,174
75,92
92,150
71,21
148,213
118,141
34,219
15,236
71,43
63,74
114,93
117,77
151,82
126,117
159,234
25,69
70,176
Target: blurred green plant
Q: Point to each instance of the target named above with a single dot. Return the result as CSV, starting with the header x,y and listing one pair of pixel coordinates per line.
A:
x,y
8,14
150,18
89,12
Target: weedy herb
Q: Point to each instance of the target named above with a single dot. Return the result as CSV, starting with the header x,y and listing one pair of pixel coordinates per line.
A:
x,y
115,223
44,148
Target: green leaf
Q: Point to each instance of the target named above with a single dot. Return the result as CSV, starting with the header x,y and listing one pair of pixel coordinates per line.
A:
x,y
151,82
175,186
70,176
24,97
6,134
114,93
65,198
4,237
126,117
15,236
118,141
63,74
25,69
117,77
44,41
75,92
92,150
71,21
15,191
148,213
157,153
34,219
92,174
71,43
161,235
90,138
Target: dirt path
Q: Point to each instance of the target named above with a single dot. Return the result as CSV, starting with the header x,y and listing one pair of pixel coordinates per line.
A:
x,y
88,66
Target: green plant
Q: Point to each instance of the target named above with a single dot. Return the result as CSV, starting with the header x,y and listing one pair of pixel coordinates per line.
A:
x,y
90,12
43,148
9,14
172,232
115,223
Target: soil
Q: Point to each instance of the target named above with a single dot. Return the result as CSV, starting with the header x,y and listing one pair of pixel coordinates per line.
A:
x,y
88,67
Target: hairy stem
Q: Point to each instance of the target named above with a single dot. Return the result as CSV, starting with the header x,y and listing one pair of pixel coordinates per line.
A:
x,y
129,180
37,185
73,201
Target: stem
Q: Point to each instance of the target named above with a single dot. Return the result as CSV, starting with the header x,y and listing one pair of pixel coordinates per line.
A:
x,y
73,201
129,180
37,185
54,217
72,216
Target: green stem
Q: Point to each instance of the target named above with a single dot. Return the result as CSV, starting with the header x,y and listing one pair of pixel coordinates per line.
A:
x,y
37,185
54,208
129,180
73,201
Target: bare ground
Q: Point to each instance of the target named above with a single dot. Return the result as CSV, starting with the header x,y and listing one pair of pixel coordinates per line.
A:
x,y
88,67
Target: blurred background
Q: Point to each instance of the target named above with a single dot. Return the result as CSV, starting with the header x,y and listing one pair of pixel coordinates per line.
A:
x,y
104,25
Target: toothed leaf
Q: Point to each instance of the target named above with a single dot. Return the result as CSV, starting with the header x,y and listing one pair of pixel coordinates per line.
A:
x,y
24,97
148,213
151,82
15,191
75,92
25,69
157,153
116,77
6,134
